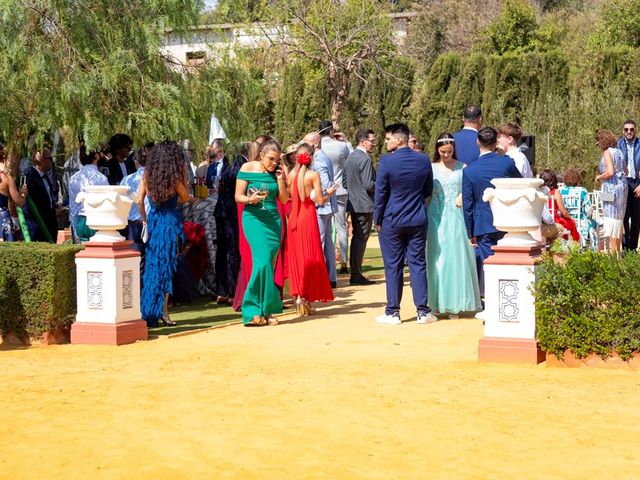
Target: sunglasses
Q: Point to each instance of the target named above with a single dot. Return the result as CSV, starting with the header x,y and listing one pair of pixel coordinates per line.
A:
x,y
629,129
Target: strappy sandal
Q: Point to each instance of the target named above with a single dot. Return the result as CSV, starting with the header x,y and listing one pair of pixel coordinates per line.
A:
x,y
256,321
272,321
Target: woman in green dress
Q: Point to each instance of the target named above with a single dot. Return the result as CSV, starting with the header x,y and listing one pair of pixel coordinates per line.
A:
x,y
258,186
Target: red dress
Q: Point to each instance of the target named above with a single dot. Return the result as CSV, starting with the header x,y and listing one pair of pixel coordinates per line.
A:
x,y
308,277
568,223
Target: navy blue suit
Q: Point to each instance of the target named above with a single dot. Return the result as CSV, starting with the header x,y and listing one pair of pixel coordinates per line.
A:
x,y
632,212
227,236
467,150
478,217
403,182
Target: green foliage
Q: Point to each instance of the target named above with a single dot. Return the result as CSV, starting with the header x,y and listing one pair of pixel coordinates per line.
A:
x,y
93,67
514,30
337,36
585,304
620,24
303,100
235,11
560,104
37,288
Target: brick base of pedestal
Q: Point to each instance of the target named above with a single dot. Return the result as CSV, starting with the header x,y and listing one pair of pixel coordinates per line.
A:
x,y
516,350
109,333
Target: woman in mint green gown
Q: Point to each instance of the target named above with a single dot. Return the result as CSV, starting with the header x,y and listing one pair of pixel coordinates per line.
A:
x,y
259,184
451,261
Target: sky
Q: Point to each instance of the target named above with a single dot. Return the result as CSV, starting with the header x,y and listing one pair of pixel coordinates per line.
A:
x,y
211,3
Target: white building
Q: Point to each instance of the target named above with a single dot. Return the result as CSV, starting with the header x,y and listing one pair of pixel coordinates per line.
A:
x,y
213,41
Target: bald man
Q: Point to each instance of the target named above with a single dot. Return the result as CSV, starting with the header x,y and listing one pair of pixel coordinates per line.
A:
x,y
323,166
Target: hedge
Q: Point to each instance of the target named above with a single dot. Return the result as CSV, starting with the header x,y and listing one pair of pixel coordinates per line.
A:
x,y
589,304
37,288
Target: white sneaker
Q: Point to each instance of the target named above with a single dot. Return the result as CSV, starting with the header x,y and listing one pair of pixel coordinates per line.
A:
x,y
389,319
480,315
426,318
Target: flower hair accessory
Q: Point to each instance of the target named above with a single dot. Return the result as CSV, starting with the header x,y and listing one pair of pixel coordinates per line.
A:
x,y
303,159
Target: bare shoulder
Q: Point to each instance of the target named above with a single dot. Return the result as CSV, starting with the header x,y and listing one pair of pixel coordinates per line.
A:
x,y
250,167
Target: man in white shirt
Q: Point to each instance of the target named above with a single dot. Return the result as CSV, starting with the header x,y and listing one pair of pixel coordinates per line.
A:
x,y
87,176
508,136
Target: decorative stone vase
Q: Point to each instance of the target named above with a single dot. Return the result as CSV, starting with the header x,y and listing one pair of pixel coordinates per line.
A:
x,y
107,209
517,205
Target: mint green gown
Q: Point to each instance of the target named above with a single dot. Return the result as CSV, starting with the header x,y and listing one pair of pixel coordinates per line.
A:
x,y
451,261
262,229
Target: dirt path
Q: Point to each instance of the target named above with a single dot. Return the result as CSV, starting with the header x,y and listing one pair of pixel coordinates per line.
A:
x,y
333,396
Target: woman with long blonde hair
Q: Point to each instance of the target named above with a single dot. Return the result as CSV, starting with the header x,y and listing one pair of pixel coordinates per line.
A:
x,y
308,276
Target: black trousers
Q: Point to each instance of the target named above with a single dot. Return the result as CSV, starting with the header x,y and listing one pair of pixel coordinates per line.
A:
x,y
361,224
631,217
227,256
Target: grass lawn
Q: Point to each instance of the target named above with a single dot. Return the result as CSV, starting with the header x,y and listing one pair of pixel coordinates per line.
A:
x,y
205,313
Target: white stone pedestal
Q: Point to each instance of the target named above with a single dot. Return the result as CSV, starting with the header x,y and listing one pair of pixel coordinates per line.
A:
x,y
108,294
510,317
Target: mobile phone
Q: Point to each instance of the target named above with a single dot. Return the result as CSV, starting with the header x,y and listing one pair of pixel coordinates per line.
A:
x,y
252,190
23,181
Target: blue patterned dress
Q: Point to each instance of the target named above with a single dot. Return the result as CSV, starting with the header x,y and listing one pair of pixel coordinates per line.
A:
x,y
616,184
451,261
6,229
164,224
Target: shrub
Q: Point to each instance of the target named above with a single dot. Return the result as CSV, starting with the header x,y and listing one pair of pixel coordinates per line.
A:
x,y
37,288
588,304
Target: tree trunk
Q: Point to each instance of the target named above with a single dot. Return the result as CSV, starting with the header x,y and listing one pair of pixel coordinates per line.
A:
x,y
338,88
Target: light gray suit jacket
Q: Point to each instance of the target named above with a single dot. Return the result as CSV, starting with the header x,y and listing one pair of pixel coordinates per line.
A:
x,y
360,180
337,152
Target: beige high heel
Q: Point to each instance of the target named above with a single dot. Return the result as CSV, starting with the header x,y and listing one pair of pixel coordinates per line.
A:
x,y
303,308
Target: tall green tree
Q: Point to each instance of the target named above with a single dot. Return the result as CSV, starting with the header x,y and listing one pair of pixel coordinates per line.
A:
x,y
514,30
337,35
94,67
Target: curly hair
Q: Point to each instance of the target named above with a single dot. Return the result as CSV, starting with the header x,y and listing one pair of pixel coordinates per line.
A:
x,y
605,139
164,169
573,177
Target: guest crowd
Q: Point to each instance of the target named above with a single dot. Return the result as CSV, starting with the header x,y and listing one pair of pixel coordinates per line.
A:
x,y
236,229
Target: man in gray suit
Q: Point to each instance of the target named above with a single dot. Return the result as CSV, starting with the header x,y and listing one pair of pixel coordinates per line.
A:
x,y
359,179
323,166
337,152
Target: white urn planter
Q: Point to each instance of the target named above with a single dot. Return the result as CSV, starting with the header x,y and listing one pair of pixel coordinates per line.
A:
x,y
517,205
107,209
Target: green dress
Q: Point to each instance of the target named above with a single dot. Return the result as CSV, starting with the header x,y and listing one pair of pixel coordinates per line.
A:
x,y
262,229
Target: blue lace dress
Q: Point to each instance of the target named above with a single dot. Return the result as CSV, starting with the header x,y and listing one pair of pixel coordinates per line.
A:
x,y
6,229
164,224
451,261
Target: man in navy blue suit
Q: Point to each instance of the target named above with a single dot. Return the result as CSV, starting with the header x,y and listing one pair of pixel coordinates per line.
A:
x,y
478,217
466,139
403,182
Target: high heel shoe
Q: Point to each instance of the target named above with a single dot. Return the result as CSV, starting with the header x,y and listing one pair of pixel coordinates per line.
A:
x,y
166,321
303,308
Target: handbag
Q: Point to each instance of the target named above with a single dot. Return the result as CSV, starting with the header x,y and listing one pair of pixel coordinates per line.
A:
x,y
144,234
607,196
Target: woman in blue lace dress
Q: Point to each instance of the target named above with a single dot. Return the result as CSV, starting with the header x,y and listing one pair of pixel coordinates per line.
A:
x,y
613,178
8,190
164,184
451,261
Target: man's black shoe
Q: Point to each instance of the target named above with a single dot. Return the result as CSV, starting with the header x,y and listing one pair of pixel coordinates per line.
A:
x,y
361,281
334,284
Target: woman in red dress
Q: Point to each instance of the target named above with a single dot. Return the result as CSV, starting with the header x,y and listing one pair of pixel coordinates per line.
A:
x,y
308,277
555,203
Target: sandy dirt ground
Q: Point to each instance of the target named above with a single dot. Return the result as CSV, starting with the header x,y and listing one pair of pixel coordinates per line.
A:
x,y
333,396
